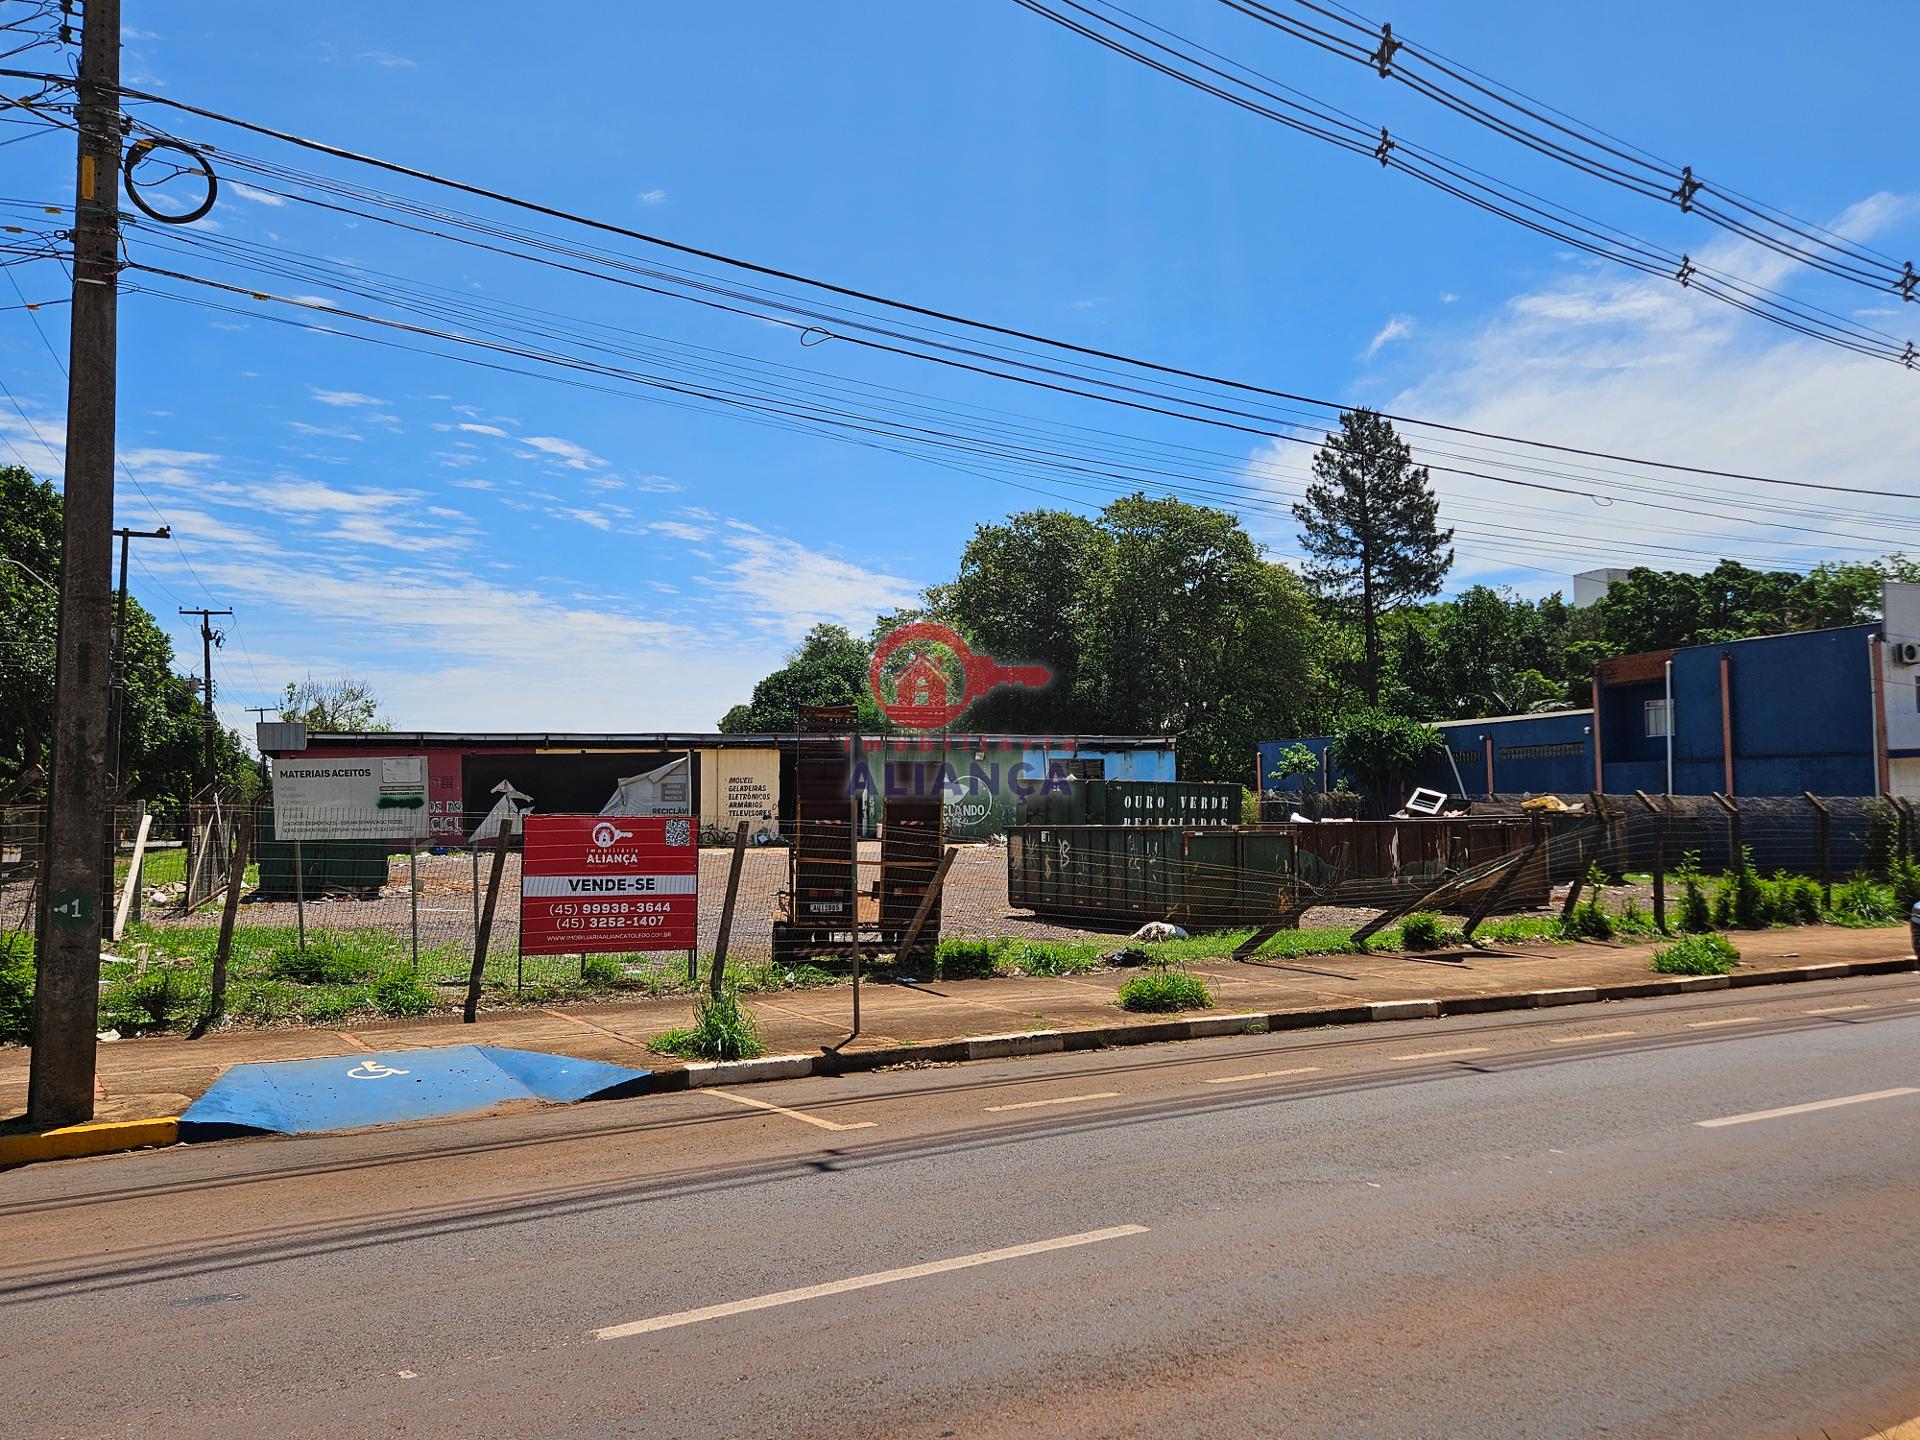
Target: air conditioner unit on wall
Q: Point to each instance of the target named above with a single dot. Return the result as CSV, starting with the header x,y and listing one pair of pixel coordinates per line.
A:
x,y
1906,652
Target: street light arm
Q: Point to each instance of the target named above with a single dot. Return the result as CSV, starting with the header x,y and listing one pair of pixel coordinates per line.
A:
x,y
9,560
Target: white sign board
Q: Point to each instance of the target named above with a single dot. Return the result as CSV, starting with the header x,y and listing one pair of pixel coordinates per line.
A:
x,y
367,797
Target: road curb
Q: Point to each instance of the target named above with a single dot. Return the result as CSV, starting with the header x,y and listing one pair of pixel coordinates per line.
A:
x,y
1208,1027
100,1137
111,1136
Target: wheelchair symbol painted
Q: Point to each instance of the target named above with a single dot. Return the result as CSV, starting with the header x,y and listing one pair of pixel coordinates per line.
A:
x,y
374,1070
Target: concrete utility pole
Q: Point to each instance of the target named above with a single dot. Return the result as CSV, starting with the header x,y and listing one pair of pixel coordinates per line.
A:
x,y
67,990
209,637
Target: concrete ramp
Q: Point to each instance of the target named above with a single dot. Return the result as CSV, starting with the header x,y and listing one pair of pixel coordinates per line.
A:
x,y
347,1092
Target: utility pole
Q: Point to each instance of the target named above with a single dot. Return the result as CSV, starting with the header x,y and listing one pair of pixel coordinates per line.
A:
x,y
209,637
126,537
66,1008
116,778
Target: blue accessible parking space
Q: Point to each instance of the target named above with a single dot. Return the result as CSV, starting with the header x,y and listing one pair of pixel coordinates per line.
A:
x,y
346,1092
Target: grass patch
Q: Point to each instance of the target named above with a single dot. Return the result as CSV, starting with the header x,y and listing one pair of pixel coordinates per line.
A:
x,y
1424,931
963,959
722,1029
1162,990
1705,954
16,987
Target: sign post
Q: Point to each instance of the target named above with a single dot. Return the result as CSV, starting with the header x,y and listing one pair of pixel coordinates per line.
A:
x,y
608,884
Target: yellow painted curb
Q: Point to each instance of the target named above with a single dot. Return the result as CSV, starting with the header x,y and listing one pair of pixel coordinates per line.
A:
x,y
102,1137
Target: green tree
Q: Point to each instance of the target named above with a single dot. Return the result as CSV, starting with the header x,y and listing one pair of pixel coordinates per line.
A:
x,y
1026,592
828,667
345,706
1370,527
1383,751
163,724
1483,652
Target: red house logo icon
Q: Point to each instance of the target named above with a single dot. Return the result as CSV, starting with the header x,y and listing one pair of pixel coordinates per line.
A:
x,y
922,697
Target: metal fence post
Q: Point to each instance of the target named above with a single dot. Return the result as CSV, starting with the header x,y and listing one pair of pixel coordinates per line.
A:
x,y
1736,845
1823,843
1659,860
300,894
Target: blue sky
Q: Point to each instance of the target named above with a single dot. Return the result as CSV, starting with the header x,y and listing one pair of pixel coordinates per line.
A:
x,y
495,551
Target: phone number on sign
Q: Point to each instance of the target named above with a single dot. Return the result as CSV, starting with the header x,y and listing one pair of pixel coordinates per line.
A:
x,y
614,907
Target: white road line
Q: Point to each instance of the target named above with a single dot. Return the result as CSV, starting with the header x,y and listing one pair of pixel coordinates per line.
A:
x,y
1810,1106
1057,1100
1260,1075
863,1282
1730,1020
1443,1054
1838,1009
790,1114
1597,1035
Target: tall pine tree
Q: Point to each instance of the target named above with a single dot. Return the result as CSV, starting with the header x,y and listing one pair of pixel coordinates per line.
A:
x,y
1369,527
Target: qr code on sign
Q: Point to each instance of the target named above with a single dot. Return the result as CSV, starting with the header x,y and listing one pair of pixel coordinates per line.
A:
x,y
679,832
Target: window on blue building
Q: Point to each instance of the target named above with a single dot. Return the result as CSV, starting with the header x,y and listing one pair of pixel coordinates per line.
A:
x,y
1659,718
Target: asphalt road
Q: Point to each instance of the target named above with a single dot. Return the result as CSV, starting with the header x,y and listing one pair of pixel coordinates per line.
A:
x,y
1515,1225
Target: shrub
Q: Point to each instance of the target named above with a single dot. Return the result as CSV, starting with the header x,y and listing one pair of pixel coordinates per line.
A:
x,y
401,993
1589,919
329,958
1861,901
960,959
1706,954
723,1029
1422,932
601,970
1793,899
1632,920
16,988
1163,989
1741,899
165,995
1905,874
1696,915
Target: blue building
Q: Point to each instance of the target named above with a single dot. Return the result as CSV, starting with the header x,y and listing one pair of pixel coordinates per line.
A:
x,y
1835,712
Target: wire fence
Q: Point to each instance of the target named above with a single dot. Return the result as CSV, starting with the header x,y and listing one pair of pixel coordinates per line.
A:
x,y
324,929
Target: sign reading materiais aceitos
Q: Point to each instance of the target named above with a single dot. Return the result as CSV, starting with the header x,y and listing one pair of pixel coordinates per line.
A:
x,y
593,884
358,797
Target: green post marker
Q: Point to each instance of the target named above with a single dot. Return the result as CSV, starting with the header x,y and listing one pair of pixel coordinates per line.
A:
x,y
71,907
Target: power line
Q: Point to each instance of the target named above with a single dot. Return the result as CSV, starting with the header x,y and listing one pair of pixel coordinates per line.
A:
x,y
930,313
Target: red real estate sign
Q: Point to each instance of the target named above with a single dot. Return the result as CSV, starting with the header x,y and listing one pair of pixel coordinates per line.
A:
x,y
608,884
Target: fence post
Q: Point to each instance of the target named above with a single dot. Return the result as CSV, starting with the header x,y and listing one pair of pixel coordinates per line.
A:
x,y
1659,861
137,869
927,902
129,897
720,941
300,895
486,923
1736,848
413,895
223,949
1823,843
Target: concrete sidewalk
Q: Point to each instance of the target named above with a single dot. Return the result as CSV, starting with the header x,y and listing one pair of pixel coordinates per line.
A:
x,y
162,1075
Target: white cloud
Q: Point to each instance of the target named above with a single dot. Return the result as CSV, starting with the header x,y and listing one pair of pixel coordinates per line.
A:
x,y
570,455
679,530
651,197
1399,327
310,496
474,428
343,399
258,197
657,485
331,432
387,58
792,588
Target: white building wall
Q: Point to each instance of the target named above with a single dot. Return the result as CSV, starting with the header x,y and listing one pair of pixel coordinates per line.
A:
x,y
1900,685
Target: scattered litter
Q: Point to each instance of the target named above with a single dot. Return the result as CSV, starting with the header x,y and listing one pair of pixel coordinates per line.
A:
x,y
1126,956
1159,930
105,1035
1549,802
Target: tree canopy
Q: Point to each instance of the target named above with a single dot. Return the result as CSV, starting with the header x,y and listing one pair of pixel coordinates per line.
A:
x,y
343,706
164,722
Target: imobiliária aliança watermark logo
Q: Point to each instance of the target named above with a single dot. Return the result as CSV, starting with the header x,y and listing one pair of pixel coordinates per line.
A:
x,y
919,694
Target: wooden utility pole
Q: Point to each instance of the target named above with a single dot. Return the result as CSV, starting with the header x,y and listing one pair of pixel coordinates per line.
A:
x,y
209,637
67,989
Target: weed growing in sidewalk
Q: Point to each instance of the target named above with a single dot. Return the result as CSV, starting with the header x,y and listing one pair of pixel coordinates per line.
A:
x,y
1424,932
1589,919
723,1029
1705,954
1162,989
